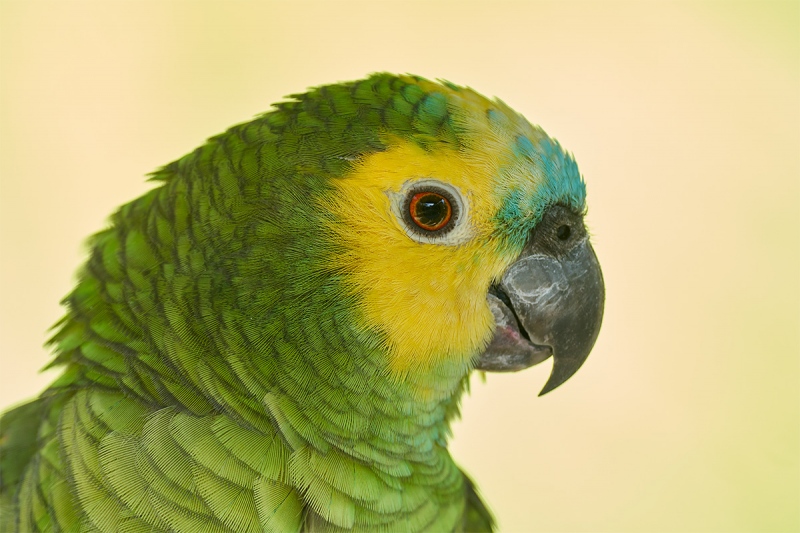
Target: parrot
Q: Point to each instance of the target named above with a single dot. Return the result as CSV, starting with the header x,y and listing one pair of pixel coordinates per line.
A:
x,y
277,336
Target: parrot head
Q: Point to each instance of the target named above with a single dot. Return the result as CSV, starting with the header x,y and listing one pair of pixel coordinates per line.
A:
x,y
459,232
391,227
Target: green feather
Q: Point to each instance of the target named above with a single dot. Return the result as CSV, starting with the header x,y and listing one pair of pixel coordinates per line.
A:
x,y
217,373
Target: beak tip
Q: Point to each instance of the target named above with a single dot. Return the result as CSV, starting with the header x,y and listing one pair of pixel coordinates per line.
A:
x,y
549,386
563,370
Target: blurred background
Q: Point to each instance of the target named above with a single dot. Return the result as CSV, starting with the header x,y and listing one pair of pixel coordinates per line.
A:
x,y
684,118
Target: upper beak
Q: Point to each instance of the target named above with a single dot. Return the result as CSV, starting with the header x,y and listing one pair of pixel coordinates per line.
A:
x,y
549,302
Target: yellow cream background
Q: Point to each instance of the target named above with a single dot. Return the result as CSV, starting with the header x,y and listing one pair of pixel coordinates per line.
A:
x,y
684,118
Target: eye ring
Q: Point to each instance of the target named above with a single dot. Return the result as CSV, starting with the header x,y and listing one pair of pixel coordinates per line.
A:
x,y
443,231
429,210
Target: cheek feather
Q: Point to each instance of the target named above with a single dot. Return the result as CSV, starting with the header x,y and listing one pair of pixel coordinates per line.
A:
x,y
428,300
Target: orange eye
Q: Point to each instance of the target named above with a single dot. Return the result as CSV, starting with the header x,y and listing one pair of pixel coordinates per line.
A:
x,y
430,210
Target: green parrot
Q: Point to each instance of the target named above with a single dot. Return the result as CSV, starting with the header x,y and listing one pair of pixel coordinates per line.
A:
x,y
277,336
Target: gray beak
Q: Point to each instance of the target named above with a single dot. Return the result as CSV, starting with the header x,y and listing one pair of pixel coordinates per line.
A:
x,y
549,302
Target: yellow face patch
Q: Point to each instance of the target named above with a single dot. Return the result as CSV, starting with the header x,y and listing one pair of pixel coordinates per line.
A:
x,y
428,298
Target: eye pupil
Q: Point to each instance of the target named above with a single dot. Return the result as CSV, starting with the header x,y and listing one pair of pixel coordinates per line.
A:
x,y
430,210
563,232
